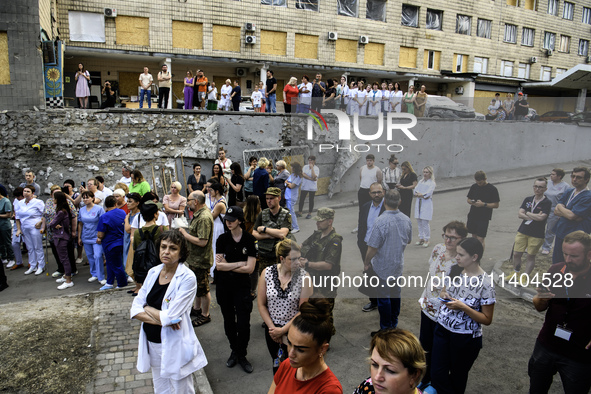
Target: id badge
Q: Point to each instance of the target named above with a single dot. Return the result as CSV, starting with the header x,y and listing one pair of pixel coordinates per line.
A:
x,y
528,222
563,333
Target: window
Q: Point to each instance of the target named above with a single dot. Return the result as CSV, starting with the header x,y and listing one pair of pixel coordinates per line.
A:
x,y
531,5
560,71
564,44
461,63
527,37
410,15
568,11
376,10
549,39
586,15
506,68
278,3
512,3
524,70
480,65
434,19
553,7
347,7
310,5
546,73
583,47
510,33
463,24
483,28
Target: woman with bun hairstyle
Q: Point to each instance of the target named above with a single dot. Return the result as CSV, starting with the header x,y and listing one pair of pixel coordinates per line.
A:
x,y
282,290
397,363
467,304
308,340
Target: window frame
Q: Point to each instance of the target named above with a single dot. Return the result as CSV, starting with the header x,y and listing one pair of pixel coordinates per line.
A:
x,y
526,68
586,13
549,34
542,73
416,19
469,18
568,5
586,47
514,28
553,10
440,19
560,46
504,64
523,36
483,61
489,28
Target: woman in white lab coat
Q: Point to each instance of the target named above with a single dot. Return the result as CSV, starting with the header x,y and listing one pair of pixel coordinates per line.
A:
x,y
168,343
424,205
225,93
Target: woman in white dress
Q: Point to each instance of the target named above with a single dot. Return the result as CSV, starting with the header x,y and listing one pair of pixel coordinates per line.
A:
x,y
225,93
396,98
217,205
352,107
361,98
385,104
424,205
374,100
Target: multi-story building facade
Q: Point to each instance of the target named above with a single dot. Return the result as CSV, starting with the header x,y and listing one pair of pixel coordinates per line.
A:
x,y
456,48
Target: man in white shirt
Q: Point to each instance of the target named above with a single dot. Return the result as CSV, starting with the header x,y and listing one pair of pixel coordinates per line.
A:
x,y
126,178
146,81
212,92
101,186
164,78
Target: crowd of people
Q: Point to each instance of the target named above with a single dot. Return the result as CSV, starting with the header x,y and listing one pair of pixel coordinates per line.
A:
x,y
238,228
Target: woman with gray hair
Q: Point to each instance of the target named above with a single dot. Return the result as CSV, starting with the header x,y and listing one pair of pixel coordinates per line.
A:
x,y
280,178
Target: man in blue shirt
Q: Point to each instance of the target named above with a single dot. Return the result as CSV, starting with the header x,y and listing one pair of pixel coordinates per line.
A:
x,y
111,227
390,234
574,210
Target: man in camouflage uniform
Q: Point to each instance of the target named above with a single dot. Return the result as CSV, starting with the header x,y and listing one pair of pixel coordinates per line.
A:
x,y
271,226
321,255
200,259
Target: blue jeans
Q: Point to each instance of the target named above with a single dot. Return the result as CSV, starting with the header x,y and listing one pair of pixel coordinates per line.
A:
x,y
142,93
94,254
294,219
543,365
388,305
115,266
303,108
271,103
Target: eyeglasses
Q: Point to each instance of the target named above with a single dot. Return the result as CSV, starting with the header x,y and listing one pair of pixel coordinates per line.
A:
x,y
448,238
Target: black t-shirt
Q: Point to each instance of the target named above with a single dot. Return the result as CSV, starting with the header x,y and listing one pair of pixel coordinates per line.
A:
x,y
154,299
233,252
238,96
270,83
535,228
519,110
236,196
316,90
488,194
197,185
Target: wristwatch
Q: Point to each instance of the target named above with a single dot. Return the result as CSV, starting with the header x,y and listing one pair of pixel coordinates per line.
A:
x,y
485,205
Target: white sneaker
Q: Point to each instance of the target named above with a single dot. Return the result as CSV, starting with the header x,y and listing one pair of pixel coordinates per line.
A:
x,y
103,282
11,264
65,285
92,279
60,280
129,279
30,270
56,274
39,271
295,231
79,261
4,261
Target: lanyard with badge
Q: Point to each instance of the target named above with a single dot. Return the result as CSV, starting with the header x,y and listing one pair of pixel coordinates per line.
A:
x,y
534,204
561,330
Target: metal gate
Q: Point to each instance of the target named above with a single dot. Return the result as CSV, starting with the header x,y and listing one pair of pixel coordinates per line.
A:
x,y
289,154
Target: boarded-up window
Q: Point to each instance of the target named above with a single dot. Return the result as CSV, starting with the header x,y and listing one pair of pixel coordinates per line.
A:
x,y
374,54
531,5
346,51
226,38
187,35
273,42
132,30
306,46
408,57
4,65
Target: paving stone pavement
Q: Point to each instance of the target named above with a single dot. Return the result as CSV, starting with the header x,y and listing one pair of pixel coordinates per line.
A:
x,y
115,338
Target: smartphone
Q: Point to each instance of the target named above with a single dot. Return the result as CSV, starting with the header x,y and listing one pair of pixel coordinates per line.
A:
x,y
83,184
175,321
444,299
473,200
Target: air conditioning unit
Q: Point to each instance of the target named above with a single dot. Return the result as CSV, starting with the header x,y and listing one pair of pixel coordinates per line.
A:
x,y
248,26
332,36
533,59
549,52
110,12
251,40
588,59
241,72
363,39
460,90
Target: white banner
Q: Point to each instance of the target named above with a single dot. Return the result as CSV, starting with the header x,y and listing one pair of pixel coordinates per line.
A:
x,y
86,26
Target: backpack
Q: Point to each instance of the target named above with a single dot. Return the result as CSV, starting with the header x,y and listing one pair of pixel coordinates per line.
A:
x,y
145,256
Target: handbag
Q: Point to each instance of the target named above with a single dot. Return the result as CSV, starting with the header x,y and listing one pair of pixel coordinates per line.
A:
x,y
89,82
179,222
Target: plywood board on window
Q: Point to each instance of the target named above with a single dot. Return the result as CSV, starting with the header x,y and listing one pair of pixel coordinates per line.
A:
x,y
273,42
306,46
408,57
226,38
374,54
4,65
187,35
132,30
346,51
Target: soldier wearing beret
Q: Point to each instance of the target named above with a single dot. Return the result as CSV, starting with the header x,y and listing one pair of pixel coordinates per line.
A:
x,y
321,255
271,226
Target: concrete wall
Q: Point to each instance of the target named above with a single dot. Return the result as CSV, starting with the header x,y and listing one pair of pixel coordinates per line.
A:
x,y
20,20
81,144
